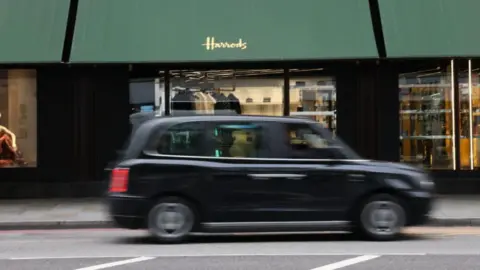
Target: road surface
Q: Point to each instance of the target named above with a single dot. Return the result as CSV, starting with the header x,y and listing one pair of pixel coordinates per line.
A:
x,y
94,249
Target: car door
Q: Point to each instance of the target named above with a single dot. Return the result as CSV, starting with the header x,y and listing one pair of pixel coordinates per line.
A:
x,y
244,187
319,183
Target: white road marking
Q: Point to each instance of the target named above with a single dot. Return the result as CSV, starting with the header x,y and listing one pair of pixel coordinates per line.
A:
x,y
118,263
348,262
207,255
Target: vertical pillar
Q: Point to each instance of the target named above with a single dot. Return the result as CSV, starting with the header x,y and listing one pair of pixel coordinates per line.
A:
x,y
103,110
168,92
367,124
356,119
456,114
347,94
367,109
387,111
111,116
55,124
286,92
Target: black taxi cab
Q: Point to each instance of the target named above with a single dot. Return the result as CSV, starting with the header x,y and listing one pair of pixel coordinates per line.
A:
x,y
210,174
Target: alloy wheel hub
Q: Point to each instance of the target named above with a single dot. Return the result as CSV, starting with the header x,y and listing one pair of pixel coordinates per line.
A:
x,y
383,217
172,220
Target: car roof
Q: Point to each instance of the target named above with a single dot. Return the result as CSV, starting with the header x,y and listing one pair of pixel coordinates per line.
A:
x,y
153,122
194,118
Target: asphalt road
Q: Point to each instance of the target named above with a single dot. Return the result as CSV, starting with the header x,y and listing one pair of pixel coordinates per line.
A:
x,y
436,248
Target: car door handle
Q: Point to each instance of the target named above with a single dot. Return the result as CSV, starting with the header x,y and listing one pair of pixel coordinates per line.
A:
x,y
266,176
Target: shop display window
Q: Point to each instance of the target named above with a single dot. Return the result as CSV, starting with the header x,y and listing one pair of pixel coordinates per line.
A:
x,y
246,92
238,91
313,96
469,114
434,132
427,118
18,118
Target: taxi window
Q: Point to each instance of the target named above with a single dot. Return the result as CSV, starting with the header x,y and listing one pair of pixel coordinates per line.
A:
x,y
185,139
303,136
236,140
307,143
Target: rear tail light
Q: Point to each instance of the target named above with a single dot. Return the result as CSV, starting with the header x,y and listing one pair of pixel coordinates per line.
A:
x,y
119,180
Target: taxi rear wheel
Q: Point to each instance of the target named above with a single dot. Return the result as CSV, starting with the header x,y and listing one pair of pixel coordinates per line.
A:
x,y
171,220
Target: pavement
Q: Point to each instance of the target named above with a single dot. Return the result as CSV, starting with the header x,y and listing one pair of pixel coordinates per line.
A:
x,y
91,213
94,249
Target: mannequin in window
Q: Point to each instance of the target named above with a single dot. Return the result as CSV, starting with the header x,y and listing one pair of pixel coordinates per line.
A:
x,y
9,154
6,132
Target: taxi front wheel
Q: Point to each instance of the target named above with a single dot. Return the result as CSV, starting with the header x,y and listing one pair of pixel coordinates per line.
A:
x,y
382,218
171,220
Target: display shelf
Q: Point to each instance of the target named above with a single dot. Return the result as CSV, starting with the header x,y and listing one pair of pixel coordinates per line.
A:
x,y
314,113
262,103
314,88
425,85
427,137
426,111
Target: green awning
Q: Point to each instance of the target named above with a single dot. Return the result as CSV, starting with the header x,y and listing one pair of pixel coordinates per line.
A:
x,y
430,28
183,30
32,31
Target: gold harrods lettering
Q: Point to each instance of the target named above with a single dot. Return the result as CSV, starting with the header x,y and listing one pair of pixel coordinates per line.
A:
x,y
211,44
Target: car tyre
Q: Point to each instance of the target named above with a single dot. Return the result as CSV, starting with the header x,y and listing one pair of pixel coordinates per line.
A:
x,y
171,220
381,218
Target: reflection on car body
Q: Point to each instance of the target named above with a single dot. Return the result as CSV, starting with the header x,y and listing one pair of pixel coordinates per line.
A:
x,y
258,174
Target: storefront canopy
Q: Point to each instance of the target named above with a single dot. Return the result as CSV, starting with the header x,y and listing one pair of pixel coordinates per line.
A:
x,y
32,31
430,28
221,30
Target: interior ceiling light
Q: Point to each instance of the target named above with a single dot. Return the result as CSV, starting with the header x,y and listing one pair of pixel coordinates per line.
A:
x,y
234,73
429,74
420,71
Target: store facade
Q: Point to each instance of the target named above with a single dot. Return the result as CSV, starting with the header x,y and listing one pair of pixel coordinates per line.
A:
x,y
84,66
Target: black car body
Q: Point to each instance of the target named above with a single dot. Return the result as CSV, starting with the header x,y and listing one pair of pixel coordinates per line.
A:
x,y
252,173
